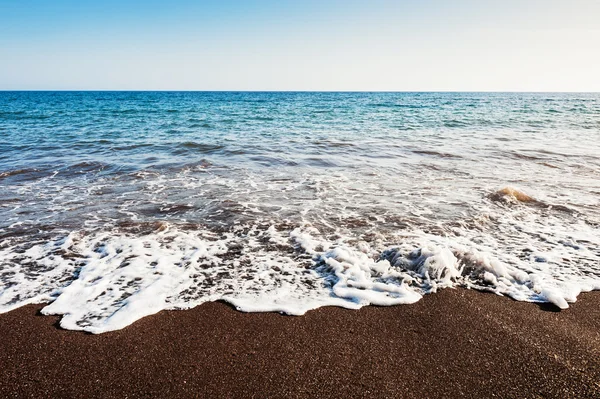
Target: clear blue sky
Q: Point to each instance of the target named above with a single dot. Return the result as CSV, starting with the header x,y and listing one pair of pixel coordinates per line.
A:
x,y
526,45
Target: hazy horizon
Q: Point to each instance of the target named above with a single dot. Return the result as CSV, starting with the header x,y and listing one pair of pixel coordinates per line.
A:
x,y
301,91
352,46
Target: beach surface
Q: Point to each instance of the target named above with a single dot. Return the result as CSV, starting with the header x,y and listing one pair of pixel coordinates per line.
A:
x,y
456,343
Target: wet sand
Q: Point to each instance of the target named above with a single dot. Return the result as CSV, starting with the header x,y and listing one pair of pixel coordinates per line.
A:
x,y
451,344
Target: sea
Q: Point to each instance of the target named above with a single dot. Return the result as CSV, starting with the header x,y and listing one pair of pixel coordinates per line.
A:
x,y
118,205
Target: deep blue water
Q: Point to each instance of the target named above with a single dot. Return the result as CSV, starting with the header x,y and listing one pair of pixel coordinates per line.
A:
x,y
137,130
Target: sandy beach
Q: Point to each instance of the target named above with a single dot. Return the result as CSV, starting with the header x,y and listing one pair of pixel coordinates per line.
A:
x,y
456,343
299,199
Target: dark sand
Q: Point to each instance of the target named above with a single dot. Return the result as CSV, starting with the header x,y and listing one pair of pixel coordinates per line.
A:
x,y
451,344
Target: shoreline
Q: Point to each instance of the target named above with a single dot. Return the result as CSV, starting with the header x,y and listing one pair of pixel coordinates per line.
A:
x,y
454,343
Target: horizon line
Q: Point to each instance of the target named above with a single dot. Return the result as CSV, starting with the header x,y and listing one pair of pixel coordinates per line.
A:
x,y
298,91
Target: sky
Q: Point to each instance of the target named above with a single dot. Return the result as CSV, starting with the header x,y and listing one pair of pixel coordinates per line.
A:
x,y
325,45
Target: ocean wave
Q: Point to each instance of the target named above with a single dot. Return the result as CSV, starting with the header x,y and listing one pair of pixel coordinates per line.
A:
x,y
85,167
436,154
510,195
15,172
203,148
107,280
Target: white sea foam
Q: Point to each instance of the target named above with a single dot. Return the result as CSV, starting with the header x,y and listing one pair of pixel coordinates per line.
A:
x,y
107,280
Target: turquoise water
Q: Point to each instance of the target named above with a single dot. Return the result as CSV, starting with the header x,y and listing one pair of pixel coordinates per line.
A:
x,y
115,205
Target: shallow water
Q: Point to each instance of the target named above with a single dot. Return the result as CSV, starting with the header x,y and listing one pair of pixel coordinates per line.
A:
x,y
114,206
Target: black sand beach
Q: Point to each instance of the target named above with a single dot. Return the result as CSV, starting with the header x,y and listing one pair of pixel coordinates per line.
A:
x,y
456,343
